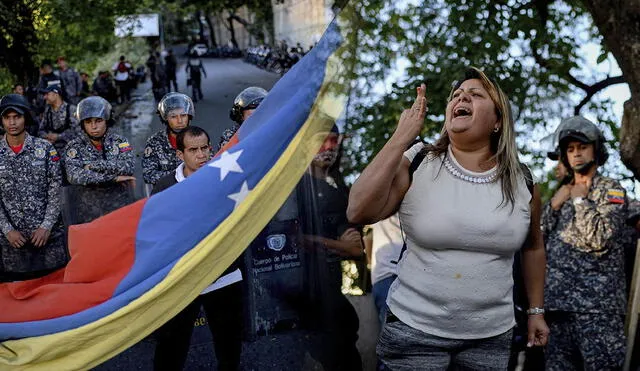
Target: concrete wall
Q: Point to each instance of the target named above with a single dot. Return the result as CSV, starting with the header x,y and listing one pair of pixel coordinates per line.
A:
x,y
302,21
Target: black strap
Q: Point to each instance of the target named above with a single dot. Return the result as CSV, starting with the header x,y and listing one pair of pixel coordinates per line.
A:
x,y
48,120
528,178
415,163
67,118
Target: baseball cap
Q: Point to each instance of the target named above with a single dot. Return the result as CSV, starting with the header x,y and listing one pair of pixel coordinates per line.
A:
x,y
52,88
18,110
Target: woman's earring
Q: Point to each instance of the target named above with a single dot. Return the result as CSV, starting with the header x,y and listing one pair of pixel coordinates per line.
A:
x,y
496,129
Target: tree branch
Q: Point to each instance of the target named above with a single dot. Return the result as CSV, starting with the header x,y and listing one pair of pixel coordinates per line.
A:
x,y
595,88
240,20
542,6
572,79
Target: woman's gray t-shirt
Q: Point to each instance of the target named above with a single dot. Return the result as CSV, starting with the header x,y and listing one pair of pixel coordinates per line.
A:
x,y
455,280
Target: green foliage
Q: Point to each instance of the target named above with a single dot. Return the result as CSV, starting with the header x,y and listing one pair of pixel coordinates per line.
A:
x,y
531,48
135,50
263,12
32,31
18,37
82,31
7,80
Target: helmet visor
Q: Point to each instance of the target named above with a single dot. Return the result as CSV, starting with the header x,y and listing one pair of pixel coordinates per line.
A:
x,y
175,104
93,107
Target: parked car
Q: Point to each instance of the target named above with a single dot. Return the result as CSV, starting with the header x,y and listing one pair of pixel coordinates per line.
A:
x,y
199,49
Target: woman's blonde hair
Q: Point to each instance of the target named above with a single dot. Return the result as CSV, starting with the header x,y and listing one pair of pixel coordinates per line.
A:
x,y
503,142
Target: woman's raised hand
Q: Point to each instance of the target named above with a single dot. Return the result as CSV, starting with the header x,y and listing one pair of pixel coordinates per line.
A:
x,y
412,120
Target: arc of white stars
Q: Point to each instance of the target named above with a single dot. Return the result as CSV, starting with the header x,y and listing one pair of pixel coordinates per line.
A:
x,y
228,162
240,196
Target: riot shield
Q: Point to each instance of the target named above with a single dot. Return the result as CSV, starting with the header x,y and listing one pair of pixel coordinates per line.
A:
x,y
294,283
82,204
275,274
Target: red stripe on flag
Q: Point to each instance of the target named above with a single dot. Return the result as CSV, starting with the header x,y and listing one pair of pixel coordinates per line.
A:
x,y
102,253
232,142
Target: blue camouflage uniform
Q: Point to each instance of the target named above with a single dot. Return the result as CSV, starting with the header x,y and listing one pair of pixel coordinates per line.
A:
x,y
62,122
633,214
159,159
227,134
30,184
92,174
585,295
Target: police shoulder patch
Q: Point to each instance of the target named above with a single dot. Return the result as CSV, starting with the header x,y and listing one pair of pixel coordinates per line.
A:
x,y
72,153
40,153
615,196
148,151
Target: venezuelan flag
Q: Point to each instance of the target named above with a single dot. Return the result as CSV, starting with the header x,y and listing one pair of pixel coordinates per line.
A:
x,y
134,269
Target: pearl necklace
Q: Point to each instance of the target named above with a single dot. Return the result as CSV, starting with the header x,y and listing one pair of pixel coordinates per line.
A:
x,y
454,170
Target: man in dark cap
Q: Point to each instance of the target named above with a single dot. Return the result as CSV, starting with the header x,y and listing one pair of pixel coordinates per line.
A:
x,y
59,125
32,243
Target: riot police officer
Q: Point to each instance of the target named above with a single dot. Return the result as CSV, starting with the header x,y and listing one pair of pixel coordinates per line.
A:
x,y
32,243
243,107
59,126
585,286
99,164
329,238
176,111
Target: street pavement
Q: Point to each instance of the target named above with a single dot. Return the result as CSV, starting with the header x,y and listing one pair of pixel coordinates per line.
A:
x,y
225,79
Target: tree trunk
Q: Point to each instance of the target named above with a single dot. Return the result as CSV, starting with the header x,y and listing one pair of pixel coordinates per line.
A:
x,y
619,24
271,30
231,30
212,32
630,136
17,56
201,27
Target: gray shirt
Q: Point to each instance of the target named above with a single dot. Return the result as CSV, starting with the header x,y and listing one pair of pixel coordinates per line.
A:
x,y
62,122
72,82
455,280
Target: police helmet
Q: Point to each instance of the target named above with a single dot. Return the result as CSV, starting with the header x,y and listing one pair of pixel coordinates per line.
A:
x,y
97,107
173,101
249,98
580,129
17,103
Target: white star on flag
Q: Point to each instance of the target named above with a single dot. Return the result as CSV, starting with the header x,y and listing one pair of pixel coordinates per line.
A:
x,y
227,163
240,196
